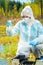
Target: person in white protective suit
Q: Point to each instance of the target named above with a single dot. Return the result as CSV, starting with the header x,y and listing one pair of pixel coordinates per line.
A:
x,y
30,31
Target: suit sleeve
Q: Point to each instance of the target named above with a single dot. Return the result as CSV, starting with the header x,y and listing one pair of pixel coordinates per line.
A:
x,y
11,31
39,38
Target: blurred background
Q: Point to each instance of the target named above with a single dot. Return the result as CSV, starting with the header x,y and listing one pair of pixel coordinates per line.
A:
x,y
11,9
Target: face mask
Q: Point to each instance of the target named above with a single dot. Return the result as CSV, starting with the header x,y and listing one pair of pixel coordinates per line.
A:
x,y
27,20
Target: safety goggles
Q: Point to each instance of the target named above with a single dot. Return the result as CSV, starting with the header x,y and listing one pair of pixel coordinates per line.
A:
x,y
26,17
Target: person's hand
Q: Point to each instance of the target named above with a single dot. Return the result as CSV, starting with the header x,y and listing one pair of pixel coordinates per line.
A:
x,y
33,43
9,23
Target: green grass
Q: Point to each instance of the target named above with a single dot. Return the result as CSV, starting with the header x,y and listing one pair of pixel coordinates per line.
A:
x,y
9,44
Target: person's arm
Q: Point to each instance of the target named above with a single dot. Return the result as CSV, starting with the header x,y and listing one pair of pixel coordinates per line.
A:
x,y
39,39
13,30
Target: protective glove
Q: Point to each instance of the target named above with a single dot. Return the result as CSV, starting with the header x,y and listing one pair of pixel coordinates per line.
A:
x,y
34,43
9,23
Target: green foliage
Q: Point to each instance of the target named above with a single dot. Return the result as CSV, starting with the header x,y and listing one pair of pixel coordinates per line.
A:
x,y
2,4
13,9
2,13
9,44
16,8
8,7
18,5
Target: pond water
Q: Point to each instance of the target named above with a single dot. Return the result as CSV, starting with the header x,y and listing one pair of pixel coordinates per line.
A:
x,y
4,62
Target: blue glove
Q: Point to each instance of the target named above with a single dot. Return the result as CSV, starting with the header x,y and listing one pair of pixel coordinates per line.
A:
x,y
9,23
33,43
